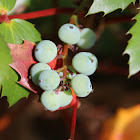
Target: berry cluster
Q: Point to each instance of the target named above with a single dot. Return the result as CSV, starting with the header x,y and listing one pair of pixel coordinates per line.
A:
x,y
57,92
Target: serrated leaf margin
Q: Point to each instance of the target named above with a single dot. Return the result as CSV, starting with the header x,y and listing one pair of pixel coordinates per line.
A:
x,y
130,48
98,3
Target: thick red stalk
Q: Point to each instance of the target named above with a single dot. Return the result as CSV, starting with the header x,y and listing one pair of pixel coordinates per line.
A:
x,y
73,125
43,13
3,18
56,11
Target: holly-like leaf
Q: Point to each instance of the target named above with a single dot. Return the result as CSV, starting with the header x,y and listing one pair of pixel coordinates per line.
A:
x,y
108,6
12,89
17,29
133,48
22,61
6,6
8,77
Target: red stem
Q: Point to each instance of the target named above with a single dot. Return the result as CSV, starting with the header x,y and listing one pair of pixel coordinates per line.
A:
x,y
43,13
56,11
3,18
73,125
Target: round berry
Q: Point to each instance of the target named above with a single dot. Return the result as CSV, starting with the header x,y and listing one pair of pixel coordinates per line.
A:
x,y
50,100
36,70
85,63
49,80
87,38
81,85
45,51
69,33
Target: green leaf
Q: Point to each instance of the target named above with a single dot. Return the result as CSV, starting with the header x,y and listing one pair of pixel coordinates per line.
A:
x,y
6,6
17,29
5,59
13,90
107,6
133,48
8,76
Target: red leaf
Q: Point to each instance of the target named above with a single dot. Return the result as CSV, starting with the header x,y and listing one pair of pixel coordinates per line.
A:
x,y
56,63
52,64
22,61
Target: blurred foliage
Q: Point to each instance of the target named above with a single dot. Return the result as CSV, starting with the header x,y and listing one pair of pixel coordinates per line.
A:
x,y
123,126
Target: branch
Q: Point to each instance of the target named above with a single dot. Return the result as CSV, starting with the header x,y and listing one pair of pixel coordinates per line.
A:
x,y
43,13
3,18
55,11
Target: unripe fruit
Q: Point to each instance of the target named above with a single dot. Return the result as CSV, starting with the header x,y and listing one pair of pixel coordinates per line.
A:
x,y
45,51
81,85
87,38
69,33
85,63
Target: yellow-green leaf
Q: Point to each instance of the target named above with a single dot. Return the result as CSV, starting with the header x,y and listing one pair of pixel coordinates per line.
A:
x,y
6,6
107,6
5,59
17,29
8,77
133,48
